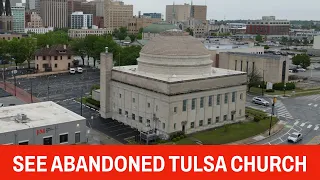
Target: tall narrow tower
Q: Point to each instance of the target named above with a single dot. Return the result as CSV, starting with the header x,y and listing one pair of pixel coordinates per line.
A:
x,y
1,8
6,18
8,8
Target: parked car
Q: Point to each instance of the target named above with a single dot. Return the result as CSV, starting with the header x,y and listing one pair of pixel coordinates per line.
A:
x,y
295,137
72,70
79,70
293,71
260,101
301,70
1,105
12,104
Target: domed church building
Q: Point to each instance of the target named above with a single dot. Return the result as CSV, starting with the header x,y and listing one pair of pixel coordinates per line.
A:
x,y
173,88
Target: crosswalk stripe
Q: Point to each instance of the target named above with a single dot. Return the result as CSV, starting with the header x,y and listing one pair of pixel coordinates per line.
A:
x,y
297,122
303,124
316,128
309,126
316,105
310,104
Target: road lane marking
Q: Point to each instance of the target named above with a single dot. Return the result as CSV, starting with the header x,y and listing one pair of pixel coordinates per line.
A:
x,y
303,124
316,105
310,104
316,128
297,122
309,126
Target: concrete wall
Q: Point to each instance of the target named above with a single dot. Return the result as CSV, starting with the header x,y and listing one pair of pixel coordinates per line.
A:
x,y
62,63
96,94
272,67
316,42
55,130
144,103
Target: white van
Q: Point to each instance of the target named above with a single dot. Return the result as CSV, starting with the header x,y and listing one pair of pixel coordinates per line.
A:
x,y
72,70
79,70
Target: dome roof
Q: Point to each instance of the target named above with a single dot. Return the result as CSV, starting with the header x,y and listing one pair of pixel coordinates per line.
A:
x,y
159,27
178,44
174,53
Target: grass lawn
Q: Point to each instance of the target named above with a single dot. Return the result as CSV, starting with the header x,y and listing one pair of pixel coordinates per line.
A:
x,y
232,133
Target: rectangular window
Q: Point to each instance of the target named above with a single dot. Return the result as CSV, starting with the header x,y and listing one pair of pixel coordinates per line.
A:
x,y
234,97
217,119
43,57
201,102
241,66
148,105
225,117
133,100
140,119
210,101
201,123
47,140
184,108
133,116
174,126
23,142
148,122
192,125
120,95
63,138
193,106
218,99
239,112
247,66
252,66
69,57
209,121
77,137
120,111
226,98
163,125
55,65
156,107
235,65
56,58
175,109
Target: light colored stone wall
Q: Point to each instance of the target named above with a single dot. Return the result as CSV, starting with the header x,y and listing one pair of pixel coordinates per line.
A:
x,y
271,68
144,103
316,42
96,94
62,63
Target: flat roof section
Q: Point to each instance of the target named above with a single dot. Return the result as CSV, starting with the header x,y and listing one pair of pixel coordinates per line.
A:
x,y
216,72
37,115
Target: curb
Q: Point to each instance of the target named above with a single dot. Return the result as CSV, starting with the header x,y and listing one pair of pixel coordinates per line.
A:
x,y
267,137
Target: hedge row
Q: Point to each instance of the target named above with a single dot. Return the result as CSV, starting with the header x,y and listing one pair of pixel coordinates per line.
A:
x,y
280,86
93,102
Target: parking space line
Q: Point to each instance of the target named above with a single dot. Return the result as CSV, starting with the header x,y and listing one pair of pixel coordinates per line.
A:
x,y
316,105
316,128
125,133
310,104
309,126
297,122
303,124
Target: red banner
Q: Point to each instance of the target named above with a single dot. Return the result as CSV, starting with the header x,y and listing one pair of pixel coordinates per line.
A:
x,y
160,162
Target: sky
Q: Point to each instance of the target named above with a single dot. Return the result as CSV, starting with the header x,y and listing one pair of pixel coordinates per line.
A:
x,y
240,9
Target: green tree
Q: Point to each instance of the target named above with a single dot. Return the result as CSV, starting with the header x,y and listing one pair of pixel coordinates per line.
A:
x,y
127,56
17,51
305,41
190,31
28,48
284,40
89,45
254,78
132,37
78,47
266,47
301,59
98,47
120,33
51,38
4,49
259,38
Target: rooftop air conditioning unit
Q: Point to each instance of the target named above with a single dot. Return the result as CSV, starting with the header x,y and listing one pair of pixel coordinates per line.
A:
x,y
22,118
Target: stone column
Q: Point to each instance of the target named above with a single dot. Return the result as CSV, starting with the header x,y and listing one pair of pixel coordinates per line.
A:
x,y
106,65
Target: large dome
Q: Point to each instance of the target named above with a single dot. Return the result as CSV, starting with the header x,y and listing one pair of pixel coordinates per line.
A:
x,y
175,53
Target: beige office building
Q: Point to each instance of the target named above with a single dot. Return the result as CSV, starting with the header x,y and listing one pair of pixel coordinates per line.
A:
x,y
275,69
35,21
136,23
185,12
54,13
117,14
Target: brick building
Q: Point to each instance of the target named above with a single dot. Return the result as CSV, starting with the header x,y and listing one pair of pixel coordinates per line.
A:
x,y
268,25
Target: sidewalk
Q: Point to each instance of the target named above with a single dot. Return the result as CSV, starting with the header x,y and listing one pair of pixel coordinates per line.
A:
x,y
20,93
255,139
40,74
95,138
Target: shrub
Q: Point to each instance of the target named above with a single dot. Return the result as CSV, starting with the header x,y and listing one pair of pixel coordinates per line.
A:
x,y
182,136
174,139
178,138
270,90
256,119
280,86
93,102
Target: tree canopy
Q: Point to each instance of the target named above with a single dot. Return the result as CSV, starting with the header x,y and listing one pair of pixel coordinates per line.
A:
x,y
51,38
259,38
302,60
254,78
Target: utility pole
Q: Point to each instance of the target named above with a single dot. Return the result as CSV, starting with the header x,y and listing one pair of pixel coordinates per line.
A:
x,y
31,90
272,114
15,84
263,84
81,101
4,77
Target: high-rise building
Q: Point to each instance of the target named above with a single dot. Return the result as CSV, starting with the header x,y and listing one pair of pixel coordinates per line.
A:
x,y
80,20
6,19
54,13
136,23
35,21
116,14
99,7
268,25
18,14
73,6
185,12
153,15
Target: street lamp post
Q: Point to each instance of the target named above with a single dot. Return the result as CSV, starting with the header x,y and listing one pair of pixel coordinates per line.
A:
x,y
49,87
284,89
272,114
